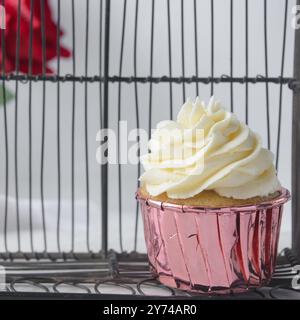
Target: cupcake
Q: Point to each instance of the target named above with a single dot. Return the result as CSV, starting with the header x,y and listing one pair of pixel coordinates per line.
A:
x,y
211,202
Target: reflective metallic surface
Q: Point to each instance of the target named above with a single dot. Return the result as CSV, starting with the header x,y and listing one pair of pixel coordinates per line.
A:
x,y
212,250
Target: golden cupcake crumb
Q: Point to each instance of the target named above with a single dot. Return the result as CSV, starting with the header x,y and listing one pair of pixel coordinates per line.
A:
x,y
208,198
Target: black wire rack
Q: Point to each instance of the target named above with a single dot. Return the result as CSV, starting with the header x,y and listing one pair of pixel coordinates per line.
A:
x,y
48,272
122,276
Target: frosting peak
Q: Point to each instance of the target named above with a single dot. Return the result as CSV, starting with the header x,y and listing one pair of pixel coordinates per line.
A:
x,y
207,148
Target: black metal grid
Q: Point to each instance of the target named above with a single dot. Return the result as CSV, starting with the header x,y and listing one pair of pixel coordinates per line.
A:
x,y
121,276
104,78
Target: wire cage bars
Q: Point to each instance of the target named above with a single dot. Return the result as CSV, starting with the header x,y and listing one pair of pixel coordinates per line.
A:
x,y
56,201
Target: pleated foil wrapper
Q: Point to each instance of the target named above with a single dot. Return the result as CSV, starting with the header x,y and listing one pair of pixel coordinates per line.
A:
x,y
212,250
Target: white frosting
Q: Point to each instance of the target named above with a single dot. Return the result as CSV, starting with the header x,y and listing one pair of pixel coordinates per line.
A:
x,y
207,148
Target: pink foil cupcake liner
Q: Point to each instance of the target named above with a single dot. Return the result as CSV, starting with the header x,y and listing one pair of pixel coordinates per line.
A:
x,y
212,249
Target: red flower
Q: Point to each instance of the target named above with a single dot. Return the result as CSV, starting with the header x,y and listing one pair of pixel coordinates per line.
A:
x,y
10,37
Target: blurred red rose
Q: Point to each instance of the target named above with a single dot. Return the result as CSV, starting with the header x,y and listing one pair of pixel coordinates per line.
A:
x,y
10,32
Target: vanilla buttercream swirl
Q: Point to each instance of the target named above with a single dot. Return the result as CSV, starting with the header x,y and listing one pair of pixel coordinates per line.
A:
x,y
207,148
